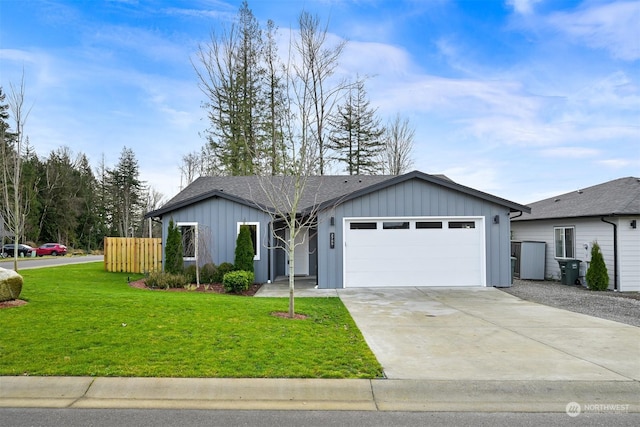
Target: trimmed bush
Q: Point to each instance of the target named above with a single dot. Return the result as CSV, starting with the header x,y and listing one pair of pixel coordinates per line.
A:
x,y
244,250
173,262
164,280
208,273
223,269
597,275
237,281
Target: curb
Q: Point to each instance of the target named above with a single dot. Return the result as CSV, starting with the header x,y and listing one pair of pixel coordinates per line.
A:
x,y
317,394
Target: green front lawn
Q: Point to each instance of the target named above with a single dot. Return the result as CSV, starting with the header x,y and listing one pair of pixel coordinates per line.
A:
x,y
81,320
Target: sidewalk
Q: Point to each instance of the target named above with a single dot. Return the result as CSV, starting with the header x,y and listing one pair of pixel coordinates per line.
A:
x,y
317,394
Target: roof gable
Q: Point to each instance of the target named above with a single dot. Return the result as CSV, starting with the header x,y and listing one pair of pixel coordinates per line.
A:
x,y
618,197
320,191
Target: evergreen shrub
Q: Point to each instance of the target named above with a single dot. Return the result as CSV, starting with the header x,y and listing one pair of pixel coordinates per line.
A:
x,y
597,275
190,273
237,281
164,280
173,250
223,269
244,250
208,273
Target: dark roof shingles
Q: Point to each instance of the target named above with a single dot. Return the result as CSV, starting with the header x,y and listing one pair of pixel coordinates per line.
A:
x,y
617,197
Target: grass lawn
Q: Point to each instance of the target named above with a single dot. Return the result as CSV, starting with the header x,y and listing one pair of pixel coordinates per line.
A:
x,y
81,320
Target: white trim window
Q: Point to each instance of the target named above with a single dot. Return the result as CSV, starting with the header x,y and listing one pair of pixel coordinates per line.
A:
x,y
189,232
254,227
565,242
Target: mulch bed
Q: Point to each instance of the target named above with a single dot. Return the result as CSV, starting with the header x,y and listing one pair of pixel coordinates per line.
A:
x,y
215,288
12,303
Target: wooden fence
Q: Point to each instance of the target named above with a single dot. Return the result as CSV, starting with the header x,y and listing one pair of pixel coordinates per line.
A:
x,y
132,254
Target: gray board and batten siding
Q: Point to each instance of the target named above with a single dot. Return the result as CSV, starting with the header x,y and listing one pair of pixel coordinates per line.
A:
x,y
217,220
218,204
417,198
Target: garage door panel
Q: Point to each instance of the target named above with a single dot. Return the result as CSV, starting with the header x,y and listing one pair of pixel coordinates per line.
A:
x,y
414,257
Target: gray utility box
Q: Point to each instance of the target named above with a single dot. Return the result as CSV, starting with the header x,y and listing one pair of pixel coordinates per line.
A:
x,y
530,259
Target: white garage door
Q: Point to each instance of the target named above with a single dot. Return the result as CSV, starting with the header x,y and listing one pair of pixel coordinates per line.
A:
x,y
385,252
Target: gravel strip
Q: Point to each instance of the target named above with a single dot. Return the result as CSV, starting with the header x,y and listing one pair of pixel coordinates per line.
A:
x,y
616,306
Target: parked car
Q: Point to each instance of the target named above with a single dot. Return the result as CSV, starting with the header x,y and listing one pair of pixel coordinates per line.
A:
x,y
8,250
51,249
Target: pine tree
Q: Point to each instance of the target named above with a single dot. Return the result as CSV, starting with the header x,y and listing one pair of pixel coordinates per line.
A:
x,y
597,276
356,133
126,192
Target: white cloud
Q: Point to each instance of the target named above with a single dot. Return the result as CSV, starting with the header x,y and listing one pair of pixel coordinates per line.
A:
x,y
614,27
570,152
621,163
523,7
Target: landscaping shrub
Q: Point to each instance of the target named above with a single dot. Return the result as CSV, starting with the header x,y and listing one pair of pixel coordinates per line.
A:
x,y
237,281
190,273
244,250
173,250
597,275
208,273
164,280
223,269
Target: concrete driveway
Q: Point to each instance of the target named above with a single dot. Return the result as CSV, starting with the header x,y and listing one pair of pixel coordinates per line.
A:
x,y
481,334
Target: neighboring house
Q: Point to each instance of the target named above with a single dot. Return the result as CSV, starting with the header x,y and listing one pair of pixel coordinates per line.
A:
x,y
409,230
608,213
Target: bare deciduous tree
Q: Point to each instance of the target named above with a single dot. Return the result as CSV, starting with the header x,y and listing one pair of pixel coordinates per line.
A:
x,y
398,144
317,64
15,206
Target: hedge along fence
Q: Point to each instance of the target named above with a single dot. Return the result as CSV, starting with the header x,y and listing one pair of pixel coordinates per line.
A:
x,y
132,254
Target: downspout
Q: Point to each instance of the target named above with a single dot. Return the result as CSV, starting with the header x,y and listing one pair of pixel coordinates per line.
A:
x,y
615,253
269,249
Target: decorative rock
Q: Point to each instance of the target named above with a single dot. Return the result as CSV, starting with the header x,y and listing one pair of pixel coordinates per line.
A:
x,y
10,284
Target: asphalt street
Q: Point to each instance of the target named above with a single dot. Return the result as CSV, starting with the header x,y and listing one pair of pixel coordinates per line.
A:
x,y
224,418
25,263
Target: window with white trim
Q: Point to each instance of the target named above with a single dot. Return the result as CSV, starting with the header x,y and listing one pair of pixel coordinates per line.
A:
x,y
565,242
189,232
254,227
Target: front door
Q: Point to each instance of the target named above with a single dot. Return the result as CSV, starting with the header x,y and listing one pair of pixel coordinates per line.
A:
x,y
301,253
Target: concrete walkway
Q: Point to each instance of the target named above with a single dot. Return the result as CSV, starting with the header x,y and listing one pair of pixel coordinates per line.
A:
x,y
442,349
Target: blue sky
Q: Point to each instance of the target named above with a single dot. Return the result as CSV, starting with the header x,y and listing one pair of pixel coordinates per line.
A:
x,y
524,99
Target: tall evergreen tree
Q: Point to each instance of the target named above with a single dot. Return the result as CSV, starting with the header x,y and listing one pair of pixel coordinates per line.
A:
x,y
126,192
356,135
229,74
88,231
275,88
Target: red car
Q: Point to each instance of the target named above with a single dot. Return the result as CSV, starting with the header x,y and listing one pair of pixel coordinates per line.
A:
x,y
51,249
